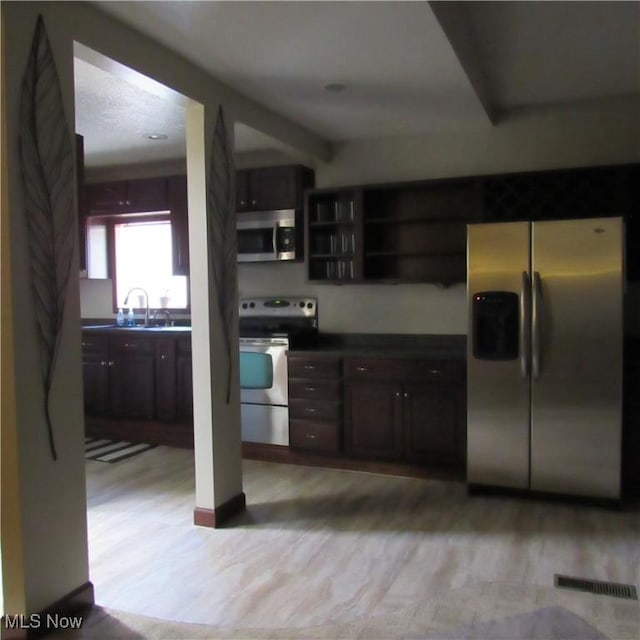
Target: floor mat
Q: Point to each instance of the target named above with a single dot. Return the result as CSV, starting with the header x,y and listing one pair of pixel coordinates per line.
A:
x,y
113,450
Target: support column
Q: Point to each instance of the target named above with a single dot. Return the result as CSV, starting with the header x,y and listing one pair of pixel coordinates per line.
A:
x,y
217,440
44,525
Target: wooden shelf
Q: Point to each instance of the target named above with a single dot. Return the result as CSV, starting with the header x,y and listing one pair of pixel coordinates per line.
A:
x,y
411,254
331,256
395,220
331,223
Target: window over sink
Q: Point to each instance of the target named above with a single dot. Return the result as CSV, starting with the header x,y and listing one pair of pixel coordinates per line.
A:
x,y
136,251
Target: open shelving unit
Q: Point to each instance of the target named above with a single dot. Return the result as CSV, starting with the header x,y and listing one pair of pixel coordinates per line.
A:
x,y
412,232
333,235
416,231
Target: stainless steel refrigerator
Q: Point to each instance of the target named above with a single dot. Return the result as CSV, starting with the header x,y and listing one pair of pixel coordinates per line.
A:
x,y
545,356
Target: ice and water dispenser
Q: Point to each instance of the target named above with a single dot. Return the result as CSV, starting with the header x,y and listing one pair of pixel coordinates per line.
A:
x,y
495,318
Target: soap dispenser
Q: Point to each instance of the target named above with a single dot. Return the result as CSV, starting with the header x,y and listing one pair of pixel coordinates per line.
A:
x,y
120,318
131,319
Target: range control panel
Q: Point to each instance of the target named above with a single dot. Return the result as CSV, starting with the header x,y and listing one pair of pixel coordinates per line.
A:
x,y
286,307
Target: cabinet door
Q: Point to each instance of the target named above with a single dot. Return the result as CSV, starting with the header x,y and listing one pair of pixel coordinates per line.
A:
x,y
631,426
165,376
127,196
430,420
95,379
184,381
149,194
242,190
178,206
132,378
272,188
95,373
106,197
373,419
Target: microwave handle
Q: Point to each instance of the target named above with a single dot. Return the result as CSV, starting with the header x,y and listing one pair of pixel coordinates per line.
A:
x,y
275,239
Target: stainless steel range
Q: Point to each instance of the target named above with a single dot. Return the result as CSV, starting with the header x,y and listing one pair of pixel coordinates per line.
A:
x,y
268,328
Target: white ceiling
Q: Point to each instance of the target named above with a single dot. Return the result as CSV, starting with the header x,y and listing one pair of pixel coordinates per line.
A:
x,y
540,53
115,117
409,67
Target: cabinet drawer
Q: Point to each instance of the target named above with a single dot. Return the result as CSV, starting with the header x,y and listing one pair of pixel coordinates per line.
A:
x,y
315,435
315,409
436,370
136,345
376,368
314,367
94,344
315,389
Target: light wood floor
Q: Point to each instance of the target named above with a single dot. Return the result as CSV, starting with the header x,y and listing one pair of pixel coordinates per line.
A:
x,y
346,553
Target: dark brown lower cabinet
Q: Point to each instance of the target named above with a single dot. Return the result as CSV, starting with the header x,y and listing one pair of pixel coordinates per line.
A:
x,y
315,403
411,410
373,420
184,381
138,387
95,374
631,423
131,380
165,379
430,422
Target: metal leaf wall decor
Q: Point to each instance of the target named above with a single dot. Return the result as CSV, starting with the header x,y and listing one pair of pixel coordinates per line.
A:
x,y
221,229
46,159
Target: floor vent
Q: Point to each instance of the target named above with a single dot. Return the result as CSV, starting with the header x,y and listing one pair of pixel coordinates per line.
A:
x,y
626,591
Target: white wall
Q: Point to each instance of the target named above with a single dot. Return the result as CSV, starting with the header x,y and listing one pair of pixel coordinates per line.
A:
x,y
52,494
363,308
606,132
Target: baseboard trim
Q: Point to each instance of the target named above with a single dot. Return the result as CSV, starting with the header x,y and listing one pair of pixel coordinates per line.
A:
x,y
37,625
445,469
214,518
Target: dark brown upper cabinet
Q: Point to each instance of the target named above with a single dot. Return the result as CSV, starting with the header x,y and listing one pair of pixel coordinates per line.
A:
x,y
177,196
272,188
128,196
148,195
82,204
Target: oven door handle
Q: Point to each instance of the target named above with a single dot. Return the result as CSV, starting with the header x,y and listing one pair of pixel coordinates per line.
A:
x,y
275,240
264,344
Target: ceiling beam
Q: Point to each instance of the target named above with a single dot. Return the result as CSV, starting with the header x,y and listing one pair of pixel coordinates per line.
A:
x,y
455,22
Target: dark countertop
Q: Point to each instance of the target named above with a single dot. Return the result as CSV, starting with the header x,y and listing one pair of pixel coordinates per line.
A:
x,y
111,328
446,346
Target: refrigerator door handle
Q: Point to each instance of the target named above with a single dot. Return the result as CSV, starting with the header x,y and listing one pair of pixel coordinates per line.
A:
x,y
525,312
536,312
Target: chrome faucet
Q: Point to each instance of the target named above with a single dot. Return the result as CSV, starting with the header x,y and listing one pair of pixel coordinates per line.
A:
x,y
146,297
165,313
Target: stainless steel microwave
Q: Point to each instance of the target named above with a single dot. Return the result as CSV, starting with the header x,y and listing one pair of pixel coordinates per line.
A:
x,y
268,235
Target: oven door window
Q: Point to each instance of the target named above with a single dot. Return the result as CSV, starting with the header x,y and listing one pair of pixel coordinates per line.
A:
x,y
256,370
258,241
